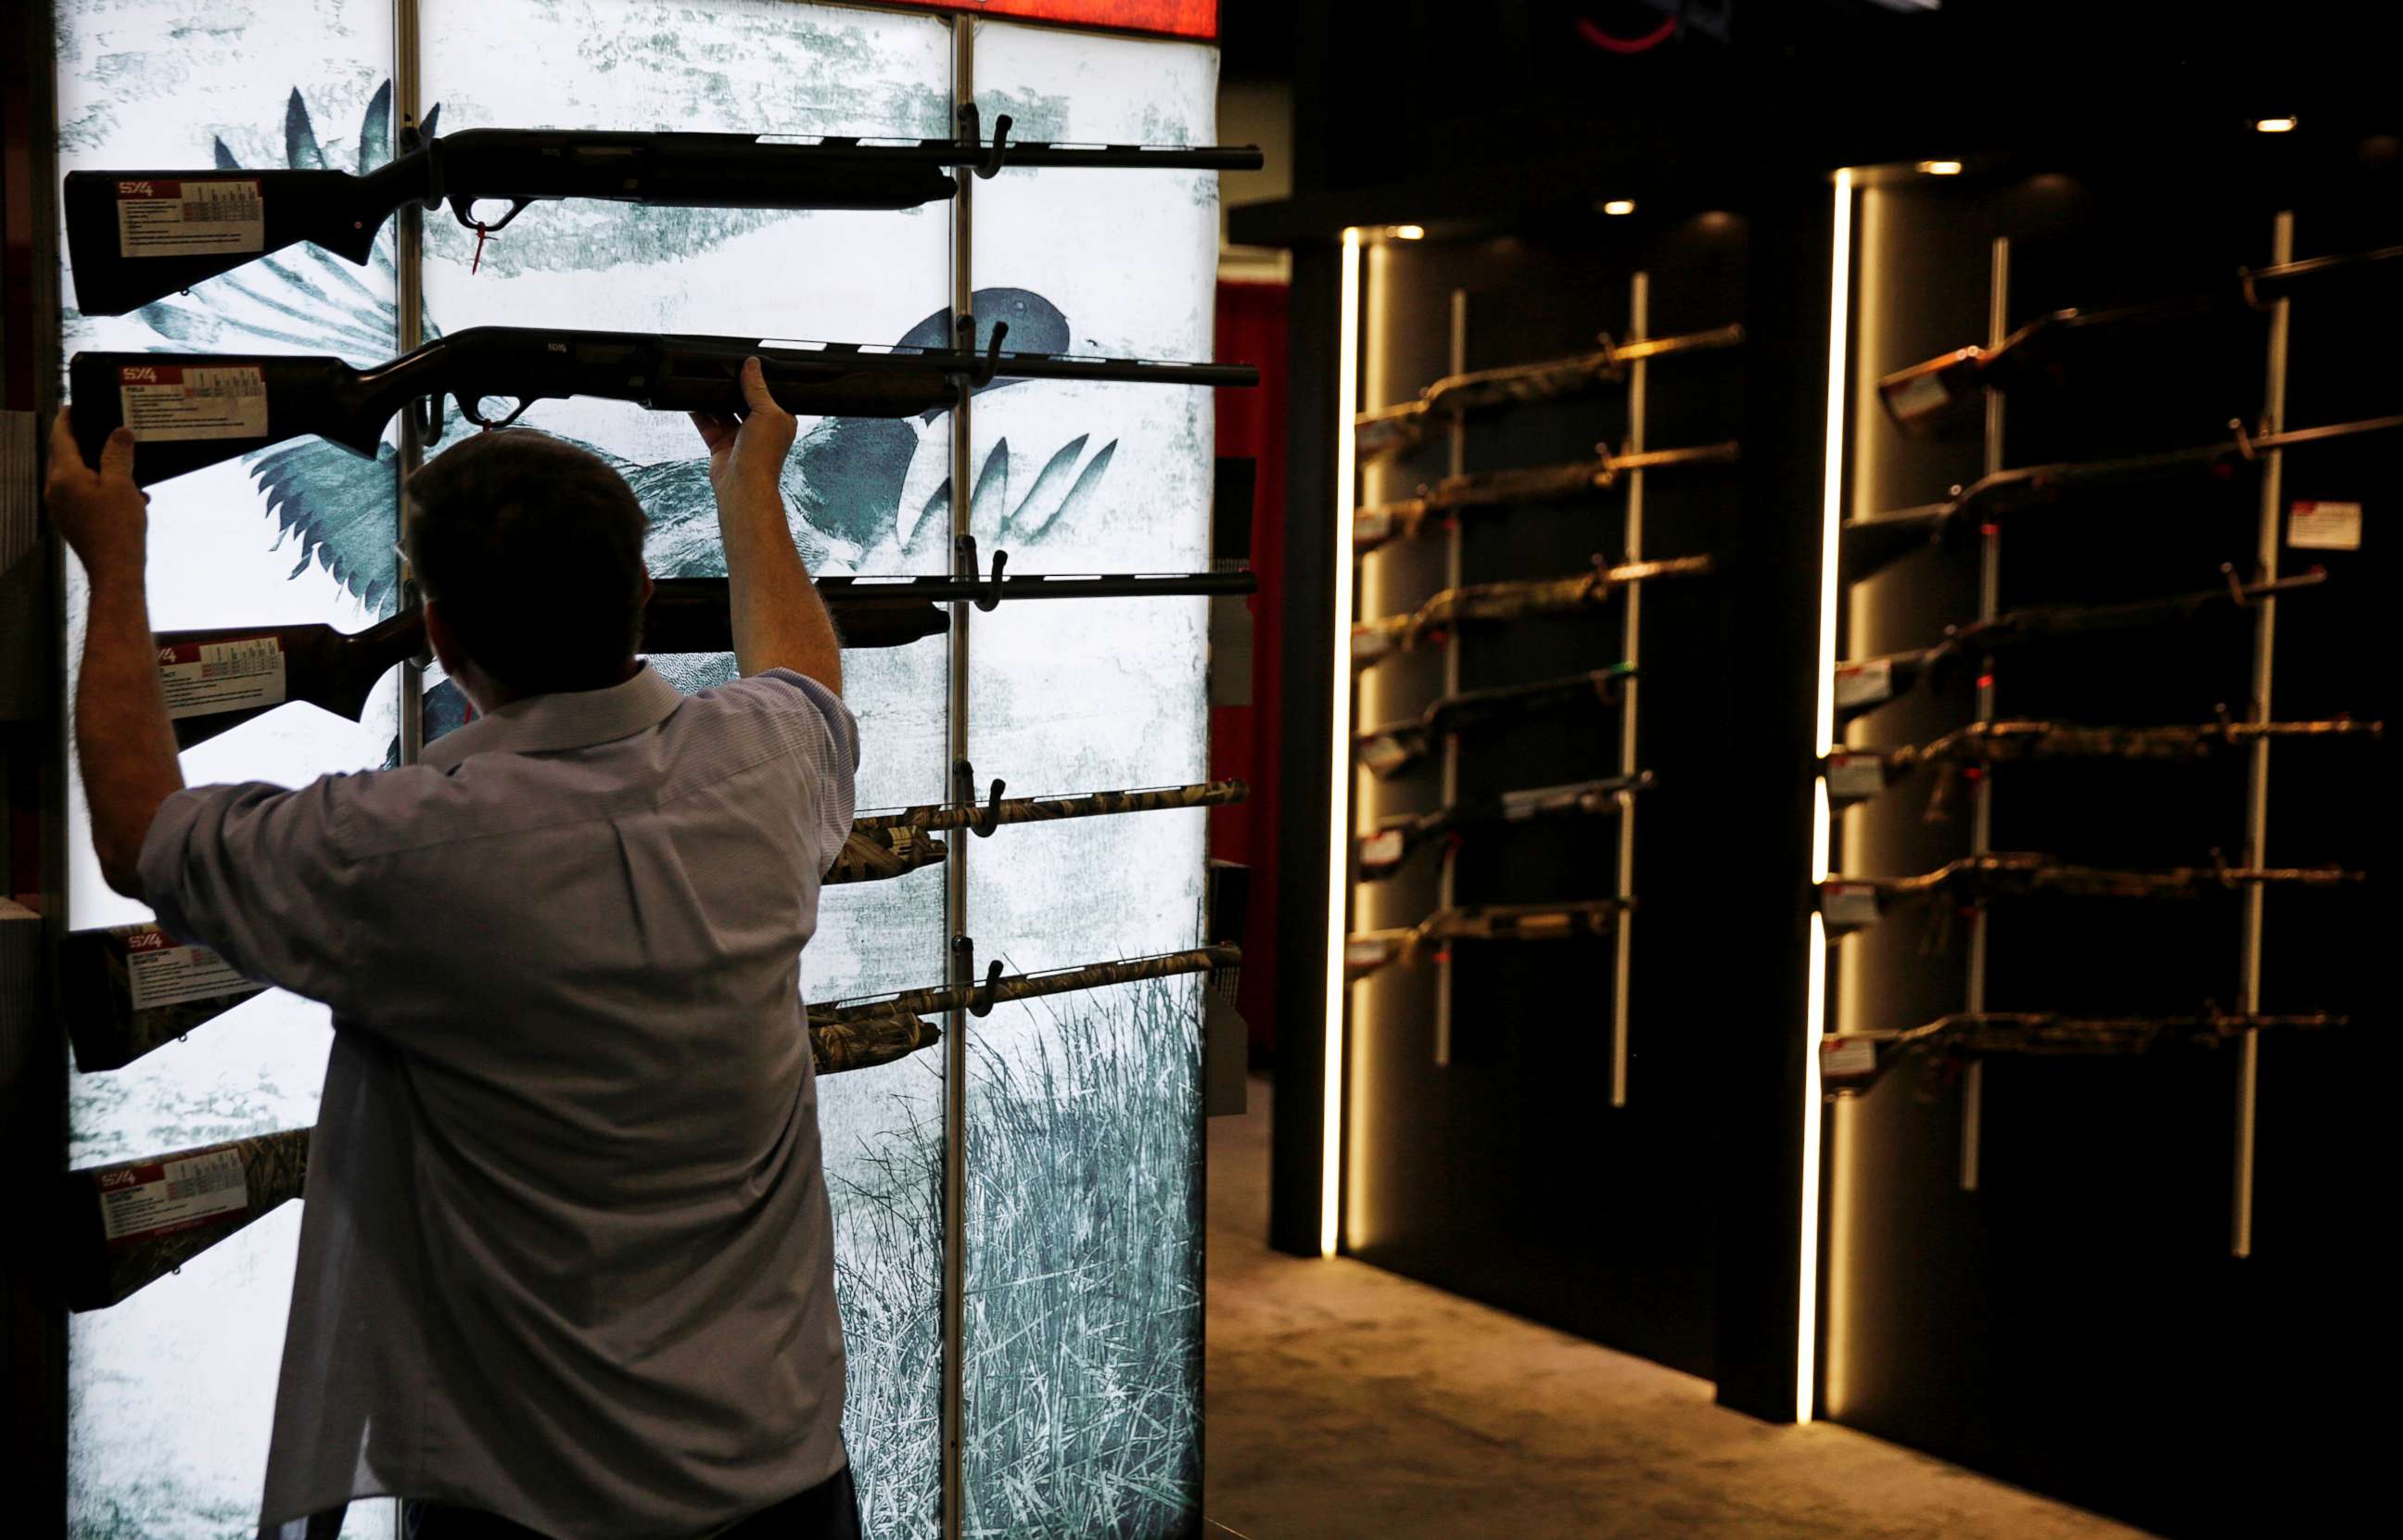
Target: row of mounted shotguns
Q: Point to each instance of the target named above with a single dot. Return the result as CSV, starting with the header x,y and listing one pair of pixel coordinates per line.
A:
x,y
1393,749
1925,399
136,236
130,990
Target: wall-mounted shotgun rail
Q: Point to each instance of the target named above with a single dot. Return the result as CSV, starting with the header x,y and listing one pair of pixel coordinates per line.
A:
x,y
1375,525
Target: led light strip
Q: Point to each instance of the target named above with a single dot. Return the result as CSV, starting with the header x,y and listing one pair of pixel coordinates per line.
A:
x,y
1339,774
1814,1005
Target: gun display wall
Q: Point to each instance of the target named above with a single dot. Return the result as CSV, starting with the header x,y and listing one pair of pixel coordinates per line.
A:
x,y
1547,440
262,286
2103,885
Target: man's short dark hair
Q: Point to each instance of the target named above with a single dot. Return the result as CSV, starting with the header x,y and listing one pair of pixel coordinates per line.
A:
x,y
534,549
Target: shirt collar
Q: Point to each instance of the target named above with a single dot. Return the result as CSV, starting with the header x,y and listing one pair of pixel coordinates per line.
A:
x,y
568,719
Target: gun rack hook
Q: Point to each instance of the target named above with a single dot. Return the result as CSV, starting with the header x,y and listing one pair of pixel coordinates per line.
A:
x,y
426,416
965,567
972,133
981,997
964,779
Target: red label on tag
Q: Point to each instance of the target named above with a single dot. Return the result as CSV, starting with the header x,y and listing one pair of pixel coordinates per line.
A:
x,y
146,941
150,374
150,189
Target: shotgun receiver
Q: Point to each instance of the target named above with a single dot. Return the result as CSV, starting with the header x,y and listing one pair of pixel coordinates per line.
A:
x,y
1387,751
220,678
1852,1062
135,236
191,410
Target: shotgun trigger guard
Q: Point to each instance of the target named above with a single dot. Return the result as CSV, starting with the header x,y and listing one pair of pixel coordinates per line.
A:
x,y
470,403
462,210
963,791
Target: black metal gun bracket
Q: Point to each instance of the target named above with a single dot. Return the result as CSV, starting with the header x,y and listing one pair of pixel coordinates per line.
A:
x,y
980,373
2243,439
2235,586
426,416
963,780
972,131
982,1000
965,568
411,140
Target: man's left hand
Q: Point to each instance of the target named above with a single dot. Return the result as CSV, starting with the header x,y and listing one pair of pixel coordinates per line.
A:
x,y
104,515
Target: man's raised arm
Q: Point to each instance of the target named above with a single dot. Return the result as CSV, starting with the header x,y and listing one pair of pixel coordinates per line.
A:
x,y
780,622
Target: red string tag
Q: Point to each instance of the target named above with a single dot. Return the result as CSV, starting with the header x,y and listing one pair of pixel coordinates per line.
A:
x,y
482,235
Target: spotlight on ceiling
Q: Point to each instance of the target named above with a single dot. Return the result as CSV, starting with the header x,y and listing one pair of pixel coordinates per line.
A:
x,y
1939,168
2273,125
1408,232
1618,205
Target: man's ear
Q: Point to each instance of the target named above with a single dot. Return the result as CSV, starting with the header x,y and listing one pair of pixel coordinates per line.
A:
x,y
443,639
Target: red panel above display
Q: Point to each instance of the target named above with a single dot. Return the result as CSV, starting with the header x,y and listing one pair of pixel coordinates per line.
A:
x,y
1171,17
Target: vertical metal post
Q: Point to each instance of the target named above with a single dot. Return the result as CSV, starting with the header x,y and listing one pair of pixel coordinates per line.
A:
x,y
955,869
1982,819
1639,321
409,311
1457,435
2257,768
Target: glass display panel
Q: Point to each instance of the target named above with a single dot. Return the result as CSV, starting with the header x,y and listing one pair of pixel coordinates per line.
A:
x,y
170,1394
1084,1263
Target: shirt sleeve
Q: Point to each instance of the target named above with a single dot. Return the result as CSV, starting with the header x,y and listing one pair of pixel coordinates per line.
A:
x,y
256,873
828,745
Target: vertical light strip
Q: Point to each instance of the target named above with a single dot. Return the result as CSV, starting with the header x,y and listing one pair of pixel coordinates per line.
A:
x,y
1814,1005
1338,772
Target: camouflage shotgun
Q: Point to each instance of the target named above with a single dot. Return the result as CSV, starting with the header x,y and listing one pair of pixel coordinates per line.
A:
x,y
1869,546
130,1223
1370,951
1388,751
221,678
135,236
1949,387
1855,775
1373,526
193,409
980,997
1852,903
890,844
1374,641
127,989
1863,687
1852,1062
1395,840
1391,429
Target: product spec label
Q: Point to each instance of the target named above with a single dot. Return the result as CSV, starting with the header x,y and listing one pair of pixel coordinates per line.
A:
x,y
1852,777
1382,752
164,402
202,678
1368,645
1865,683
1919,395
1363,953
2324,526
1841,1057
1847,905
1371,526
1383,849
161,1198
158,972
190,217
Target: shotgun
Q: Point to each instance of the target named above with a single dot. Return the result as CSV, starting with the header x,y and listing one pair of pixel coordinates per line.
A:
x,y
891,844
1849,904
1372,951
1374,526
1387,751
1391,429
1488,603
1852,1062
1395,840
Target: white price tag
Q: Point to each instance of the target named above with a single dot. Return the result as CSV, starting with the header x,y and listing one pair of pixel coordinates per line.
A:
x,y
157,972
1381,849
1848,906
1368,643
1371,527
162,1196
1846,1058
2323,526
1364,951
1384,754
1854,777
1919,396
202,678
1518,805
191,217
164,402
1865,683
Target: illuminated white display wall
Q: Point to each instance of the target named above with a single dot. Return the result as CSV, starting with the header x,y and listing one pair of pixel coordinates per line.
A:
x,y
1083,1324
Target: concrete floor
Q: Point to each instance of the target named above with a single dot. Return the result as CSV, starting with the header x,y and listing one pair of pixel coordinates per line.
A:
x,y
1345,1401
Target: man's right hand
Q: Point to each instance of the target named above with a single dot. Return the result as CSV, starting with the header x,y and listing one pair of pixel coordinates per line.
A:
x,y
747,451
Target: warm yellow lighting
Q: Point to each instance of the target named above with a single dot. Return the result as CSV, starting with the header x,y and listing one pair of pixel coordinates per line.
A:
x,y
1619,205
1814,1005
1408,232
1940,168
2273,125
1339,777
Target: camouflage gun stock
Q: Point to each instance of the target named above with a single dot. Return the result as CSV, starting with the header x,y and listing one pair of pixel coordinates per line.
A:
x,y
1857,775
1850,1063
1849,904
1492,604
1391,429
888,844
1373,526
1395,841
1950,387
1869,546
1388,751
981,996
220,678
1370,951
128,989
1865,686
